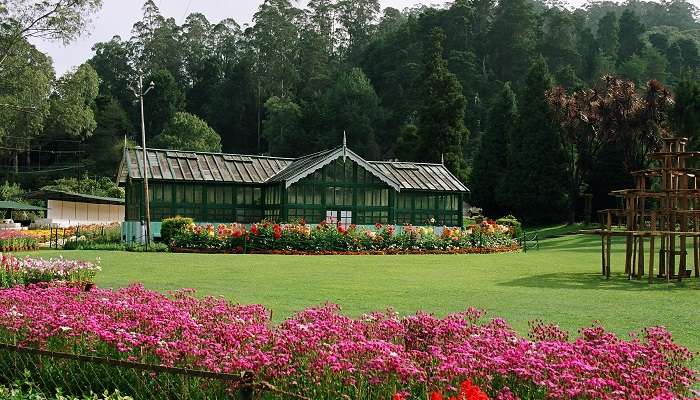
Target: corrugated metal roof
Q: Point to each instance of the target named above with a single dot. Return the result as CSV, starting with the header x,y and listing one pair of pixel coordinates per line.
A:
x,y
237,168
198,166
421,176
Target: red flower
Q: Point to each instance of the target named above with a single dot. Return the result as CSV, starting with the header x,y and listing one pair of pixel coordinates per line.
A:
x,y
342,230
435,396
254,229
378,225
278,231
399,396
468,391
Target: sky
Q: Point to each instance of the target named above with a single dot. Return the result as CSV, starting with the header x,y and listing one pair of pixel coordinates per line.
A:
x,y
117,16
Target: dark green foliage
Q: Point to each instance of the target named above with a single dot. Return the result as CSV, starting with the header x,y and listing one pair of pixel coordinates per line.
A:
x,y
187,132
161,103
491,164
283,131
333,66
631,30
441,116
685,114
106,144
534,188
511,39
103,186
172,227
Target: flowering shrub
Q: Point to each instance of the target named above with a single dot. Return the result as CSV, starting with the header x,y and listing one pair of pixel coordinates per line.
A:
x,y
323,355
41,235
11,240
25,271
323,238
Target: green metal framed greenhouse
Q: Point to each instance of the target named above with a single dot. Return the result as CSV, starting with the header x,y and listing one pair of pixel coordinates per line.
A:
x,y
335,185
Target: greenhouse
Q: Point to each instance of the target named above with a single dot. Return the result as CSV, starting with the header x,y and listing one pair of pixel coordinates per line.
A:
x,y
336,186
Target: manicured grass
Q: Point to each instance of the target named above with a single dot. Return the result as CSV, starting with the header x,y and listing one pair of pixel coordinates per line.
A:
x,y
560,283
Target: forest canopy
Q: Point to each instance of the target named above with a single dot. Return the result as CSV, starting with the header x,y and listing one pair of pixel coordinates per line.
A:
x,y
423,84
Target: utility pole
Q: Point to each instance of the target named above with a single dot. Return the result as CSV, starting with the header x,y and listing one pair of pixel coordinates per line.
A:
x,y
139,93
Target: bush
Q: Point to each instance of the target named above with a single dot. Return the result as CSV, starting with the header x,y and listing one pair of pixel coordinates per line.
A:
x,y
513,222
173,227
154,247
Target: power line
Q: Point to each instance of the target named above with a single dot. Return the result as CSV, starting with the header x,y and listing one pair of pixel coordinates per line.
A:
x,y
43,151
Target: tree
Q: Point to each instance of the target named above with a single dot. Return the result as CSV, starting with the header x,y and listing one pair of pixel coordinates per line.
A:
x,y
441,114
102,186
62,20
275,36
71,104
608,37
357,19
351,106
491,162
631,30
188,132
534,188
282,128
685,113
161,103
24,93
105,146
512,39
112,64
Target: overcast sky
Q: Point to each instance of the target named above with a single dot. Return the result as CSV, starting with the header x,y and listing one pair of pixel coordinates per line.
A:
x,y
117,16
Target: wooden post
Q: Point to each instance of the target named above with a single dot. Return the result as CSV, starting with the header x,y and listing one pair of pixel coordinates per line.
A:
x,y
640,260
651,259
607,256
696,256
629,253
602,252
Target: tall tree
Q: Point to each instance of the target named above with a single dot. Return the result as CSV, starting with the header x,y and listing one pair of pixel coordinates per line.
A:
x,y
357,20
161,104
275,36
62,20
188,132
112,64
512,39
72,103
534,188
105,146
491,163
283,129
630,36
441,114
685,114
609,39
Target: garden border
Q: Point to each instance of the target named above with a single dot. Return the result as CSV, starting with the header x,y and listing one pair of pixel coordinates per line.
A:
x,y
398,252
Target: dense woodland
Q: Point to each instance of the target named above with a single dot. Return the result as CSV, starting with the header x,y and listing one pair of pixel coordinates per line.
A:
x,y
498,89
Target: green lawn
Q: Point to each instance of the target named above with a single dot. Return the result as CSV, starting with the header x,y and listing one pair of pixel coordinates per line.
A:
x,y
559,283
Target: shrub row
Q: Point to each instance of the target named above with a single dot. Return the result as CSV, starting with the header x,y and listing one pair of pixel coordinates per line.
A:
x,y
328,238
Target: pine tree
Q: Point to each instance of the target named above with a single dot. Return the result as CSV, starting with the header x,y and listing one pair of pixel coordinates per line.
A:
x,y
491,162
631,30
685,114
512,39
608,37
534,188
441,114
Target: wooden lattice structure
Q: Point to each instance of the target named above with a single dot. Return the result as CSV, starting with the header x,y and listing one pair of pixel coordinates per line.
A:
x,y
662,210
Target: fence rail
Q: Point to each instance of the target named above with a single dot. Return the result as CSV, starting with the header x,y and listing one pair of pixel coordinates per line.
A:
x,y
49,373
529,241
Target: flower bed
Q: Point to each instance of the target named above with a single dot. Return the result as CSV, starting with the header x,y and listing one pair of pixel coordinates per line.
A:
x,y
25,271
321,354
338,239
17,241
